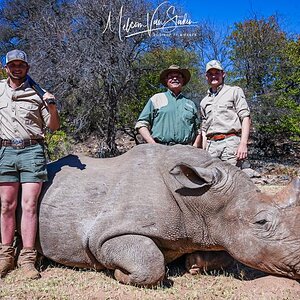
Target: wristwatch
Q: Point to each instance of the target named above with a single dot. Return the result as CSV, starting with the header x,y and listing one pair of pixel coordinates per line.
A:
x,y
51,101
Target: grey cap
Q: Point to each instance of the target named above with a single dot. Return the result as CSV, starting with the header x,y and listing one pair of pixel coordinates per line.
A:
x,y
214,64
16,55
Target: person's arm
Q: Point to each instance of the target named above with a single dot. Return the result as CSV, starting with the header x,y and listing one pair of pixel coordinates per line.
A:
x,y
203,127
144,123
198,140
53,122
145,133
243,112
242,150
204,140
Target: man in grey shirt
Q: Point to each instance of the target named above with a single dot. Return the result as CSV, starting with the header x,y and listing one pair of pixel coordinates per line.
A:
x,y
225,118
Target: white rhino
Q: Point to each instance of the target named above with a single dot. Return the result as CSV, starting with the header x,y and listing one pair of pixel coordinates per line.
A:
x,y
137,212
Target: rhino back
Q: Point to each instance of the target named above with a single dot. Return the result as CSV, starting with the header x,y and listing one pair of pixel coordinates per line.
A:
x,y
69,203
89,200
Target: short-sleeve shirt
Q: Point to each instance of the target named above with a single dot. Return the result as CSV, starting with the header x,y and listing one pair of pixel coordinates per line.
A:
x,y
170,118
224,111
22,112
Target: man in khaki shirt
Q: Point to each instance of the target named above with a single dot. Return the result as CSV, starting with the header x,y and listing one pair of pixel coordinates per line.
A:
x,y
23,119
225,118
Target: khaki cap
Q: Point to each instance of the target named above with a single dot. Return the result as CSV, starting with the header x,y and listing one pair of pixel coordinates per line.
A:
x,y
214,64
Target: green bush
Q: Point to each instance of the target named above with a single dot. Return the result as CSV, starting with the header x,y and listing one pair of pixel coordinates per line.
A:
x,y
58,144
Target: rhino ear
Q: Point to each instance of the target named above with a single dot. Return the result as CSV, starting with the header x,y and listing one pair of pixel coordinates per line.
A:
x,y
195,177
290,195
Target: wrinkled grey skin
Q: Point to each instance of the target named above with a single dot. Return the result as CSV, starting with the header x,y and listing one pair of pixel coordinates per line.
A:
x,y
137,212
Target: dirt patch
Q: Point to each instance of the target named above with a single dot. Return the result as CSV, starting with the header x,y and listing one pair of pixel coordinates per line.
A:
x,y
270,287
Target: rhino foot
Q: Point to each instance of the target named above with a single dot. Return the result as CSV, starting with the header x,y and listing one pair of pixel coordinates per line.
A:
x,y
136,260
202,261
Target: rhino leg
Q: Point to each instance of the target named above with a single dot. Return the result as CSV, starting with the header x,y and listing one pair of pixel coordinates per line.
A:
x,y
136,260
207,260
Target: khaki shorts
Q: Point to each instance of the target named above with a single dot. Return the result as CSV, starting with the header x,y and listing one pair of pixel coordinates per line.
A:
x,y
23,165
224,149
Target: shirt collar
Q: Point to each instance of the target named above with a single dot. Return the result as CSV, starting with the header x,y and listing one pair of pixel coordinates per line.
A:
x,y
210,92
180,95
24,85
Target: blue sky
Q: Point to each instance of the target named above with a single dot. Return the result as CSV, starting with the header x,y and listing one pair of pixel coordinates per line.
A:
x,y
226,12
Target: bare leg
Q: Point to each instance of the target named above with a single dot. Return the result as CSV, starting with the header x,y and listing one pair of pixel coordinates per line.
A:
x,y
207,260
9,196
30,194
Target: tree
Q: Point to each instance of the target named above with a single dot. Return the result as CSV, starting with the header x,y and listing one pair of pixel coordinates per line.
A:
x,y
79,52
260,54
72,56
2,73
150,65
287,86
255,49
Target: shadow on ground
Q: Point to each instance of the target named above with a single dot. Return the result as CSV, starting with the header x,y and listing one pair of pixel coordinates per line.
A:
x,y
177,269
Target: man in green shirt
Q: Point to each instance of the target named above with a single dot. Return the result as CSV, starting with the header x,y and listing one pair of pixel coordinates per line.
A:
x,y
170,118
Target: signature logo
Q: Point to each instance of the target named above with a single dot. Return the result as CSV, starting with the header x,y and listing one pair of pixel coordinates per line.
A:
x,y
168,22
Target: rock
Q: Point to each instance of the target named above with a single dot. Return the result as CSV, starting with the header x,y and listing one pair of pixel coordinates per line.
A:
x,y
251,173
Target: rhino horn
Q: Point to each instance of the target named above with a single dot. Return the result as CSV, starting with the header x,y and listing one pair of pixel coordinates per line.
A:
x,y
290,195
195,177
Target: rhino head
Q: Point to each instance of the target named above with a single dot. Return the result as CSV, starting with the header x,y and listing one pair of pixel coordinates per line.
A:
x,y
258,230
270,236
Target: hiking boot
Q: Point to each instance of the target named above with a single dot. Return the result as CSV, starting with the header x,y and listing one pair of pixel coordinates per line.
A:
x,y
26,263
7,259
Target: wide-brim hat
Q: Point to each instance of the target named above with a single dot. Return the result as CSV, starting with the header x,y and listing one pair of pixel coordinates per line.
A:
x,y
174,68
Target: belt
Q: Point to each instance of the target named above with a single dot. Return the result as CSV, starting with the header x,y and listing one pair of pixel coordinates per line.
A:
x,y
220,137
20,144
170,143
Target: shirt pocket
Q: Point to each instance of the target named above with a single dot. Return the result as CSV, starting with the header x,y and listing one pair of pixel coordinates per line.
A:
x,y
226,107
3,104
206,117
226,111
29,111
188,114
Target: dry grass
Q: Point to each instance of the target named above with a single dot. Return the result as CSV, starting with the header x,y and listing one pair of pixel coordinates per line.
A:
x,y
63,283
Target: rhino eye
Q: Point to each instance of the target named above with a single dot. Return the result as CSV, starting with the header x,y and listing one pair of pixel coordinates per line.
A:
x,y
261,222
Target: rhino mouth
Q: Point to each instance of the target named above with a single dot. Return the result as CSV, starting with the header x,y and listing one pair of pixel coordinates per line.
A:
x,y
289,270
294,270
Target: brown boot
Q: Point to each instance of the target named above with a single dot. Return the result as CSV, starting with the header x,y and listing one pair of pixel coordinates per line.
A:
x,y
26,262
7,259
